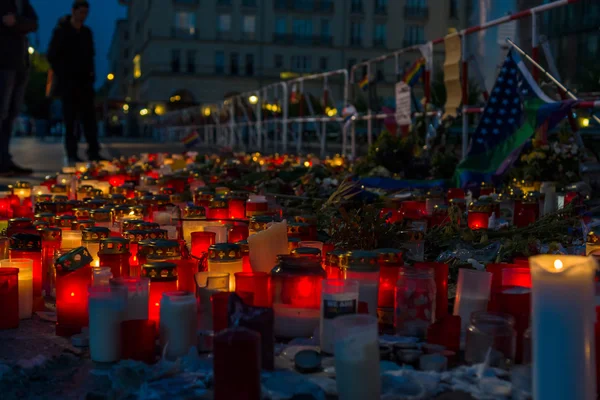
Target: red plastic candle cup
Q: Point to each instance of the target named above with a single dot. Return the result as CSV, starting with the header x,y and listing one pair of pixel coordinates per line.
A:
x,y
22,212
114,253
515,301
9,298
51,242
257,283
186,271
237,354
237,208
163,278
138,340
201,241
496,269
5,210
237,233
216,210
455,193
446,332
517,276
478,220
29,246
525,217
440,273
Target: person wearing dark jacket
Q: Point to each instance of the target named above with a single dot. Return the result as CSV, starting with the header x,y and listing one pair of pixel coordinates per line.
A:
x,y
71,55
17,19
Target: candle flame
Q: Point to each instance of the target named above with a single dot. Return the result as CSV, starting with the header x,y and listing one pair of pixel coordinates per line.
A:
x,y
132,213
558,265
72,294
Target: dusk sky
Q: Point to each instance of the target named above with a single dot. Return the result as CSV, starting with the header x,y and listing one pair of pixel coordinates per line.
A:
x,y
103,14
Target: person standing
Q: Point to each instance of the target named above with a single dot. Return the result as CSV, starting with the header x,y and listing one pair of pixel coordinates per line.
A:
x,y
71,55
17,20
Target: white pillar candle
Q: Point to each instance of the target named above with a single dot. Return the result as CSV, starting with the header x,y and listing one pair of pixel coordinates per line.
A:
x,y
472,294
101,276
106,307
563,318
178,323
25,283
71,239
137,296
357,357
266,245
338,297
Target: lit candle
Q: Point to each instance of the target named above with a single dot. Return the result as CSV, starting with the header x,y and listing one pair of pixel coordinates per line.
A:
x,y
563,304
106,309
201,241
91,240
257,283
9,298
220,231
114,253
25,284
29,247
104,186
178,323
225,258
163,278
266,245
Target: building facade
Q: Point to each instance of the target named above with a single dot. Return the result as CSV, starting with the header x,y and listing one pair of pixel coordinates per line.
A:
x,y
119,62
199,51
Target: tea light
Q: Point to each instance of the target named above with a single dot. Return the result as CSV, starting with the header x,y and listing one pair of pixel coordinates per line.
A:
x,y
225,258
137,296
25,284
106,308
178,323
339,297
266,245
9,297
563,304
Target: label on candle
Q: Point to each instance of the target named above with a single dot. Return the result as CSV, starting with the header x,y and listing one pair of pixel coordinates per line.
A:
x,y
335,308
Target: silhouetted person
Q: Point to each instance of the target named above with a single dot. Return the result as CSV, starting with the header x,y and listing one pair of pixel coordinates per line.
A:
x,y
71,54
17,20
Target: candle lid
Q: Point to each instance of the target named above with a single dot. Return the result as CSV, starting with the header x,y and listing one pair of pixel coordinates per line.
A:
x,y
298,228
392,256
360,261
307,251
22,185
158,233
96,203
297,266
39,225
20,223
73,260
176,198
114,245
218,202
334,257
44,197
223,252
480,206
101,215
593,237
244,247
95,234
146,226
161,248
46,217
260,222
306,219
51,234
121,210
65,221
307,361
26,242
161,199
57,189
194,212
131,224
136,235
46,206
160,271
85,188
72,204
82,224
59,198
238,195
81,212
137,210
117,198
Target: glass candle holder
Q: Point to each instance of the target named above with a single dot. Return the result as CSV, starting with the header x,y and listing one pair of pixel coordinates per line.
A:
x,y
472,294
138,340
237,353
201,241
446,331
493,331
237,233
478,220
9,297
357,357
178,323
25,284
440,275
209,283
101,276
73,276
29,246
257,283
256,205
220,232
296,294
106,309
90,239
218,209
137,296
114,253
390,261
415,302
225,258
71,239
245,255
339,297
332,264
237,208
163,278
363,267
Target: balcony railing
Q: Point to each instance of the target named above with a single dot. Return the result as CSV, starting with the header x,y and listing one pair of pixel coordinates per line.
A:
x,y
305,5
302,40
419,12
184,33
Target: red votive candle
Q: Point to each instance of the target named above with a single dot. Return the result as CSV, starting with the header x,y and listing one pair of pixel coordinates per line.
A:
x,y
201,241
440,273
445,332
51,241
163,278
218,209
478,220
73,276
515,301
9,298
526,216
29,246
5,209
257,283
455,193
516,277
237,208
114,253
237,233
138,340
496,270
237,354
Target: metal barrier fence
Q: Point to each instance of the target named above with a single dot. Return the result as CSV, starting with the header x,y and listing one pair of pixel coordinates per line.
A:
x,y
259,120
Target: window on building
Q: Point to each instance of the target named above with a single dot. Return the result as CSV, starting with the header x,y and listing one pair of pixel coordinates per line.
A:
x,y
175,60
414,34
323,64
453,8
249,26
301,63
137,66
185,23
325,28
278,61
224,23
302,27
234,63
380,35
249,64
356,6
356,33
219,62
126,53
281,25
191,61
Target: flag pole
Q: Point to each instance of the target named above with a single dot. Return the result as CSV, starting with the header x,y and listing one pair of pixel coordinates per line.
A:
x,y
547,74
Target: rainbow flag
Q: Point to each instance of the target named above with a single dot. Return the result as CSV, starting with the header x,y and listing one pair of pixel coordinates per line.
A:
x,y
191,140
414,73
364,83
